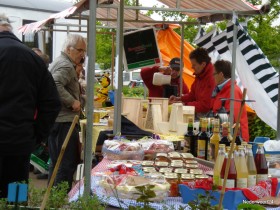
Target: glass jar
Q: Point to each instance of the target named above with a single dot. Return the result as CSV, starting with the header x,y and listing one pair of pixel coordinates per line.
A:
x,y
185,178
191,162
149,169
172,179
181,171
175,165
191,166
196,171
201,177
159,165
147,163
187,156
165,170
162,157
174,156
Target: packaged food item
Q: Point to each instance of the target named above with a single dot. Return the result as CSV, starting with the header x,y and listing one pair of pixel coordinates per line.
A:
x,y
175,165
201,176
165,170
172,179
185,178
147,163
159,165
181,171
196,171
149,169
191,162
187,156
174,156
191,166
162,157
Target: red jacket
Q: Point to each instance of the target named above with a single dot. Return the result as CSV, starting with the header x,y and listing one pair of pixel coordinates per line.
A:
x,y
201,91
154,90
216,104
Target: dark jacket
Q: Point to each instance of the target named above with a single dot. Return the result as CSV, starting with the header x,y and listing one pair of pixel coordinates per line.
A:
x,y
26,88
201,91
154,90
216,104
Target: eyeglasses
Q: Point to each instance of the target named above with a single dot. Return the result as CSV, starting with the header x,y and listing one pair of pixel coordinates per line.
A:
x,y
80,50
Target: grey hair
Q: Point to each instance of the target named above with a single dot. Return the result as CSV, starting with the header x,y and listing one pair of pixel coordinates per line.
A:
x,y
71,41
5,22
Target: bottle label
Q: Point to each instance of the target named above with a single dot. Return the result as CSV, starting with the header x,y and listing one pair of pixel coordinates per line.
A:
x,y
252,180
211,152
201,149
187,144
241,183
230,183
261,177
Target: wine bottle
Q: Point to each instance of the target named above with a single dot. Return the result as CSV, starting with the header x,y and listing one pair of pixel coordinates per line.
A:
x,y
261,164
189,138
218,165
202,141
232,175
214,141
225,140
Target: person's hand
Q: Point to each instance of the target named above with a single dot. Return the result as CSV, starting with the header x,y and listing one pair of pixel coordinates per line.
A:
x,y
76,106
173,99
165,70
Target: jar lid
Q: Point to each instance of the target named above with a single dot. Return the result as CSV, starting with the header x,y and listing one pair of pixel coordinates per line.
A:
x,y
191,166
164,164
177,161
147,163
181,170
191,162
187,155
202,176
196,171
165,170
187,176
170,176
149,169
174,155
161,154
177,164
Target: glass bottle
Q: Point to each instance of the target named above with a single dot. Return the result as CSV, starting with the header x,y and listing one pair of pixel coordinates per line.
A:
x,y
218,165
252,171
189,138
214,141
238,139
261,164
225,134
241,169
232,175
202,141
244,144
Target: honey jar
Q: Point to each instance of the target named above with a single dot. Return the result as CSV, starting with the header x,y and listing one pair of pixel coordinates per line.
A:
x,y
196,171
181,171
172,179
202,176
159,165
185,178
147,163
175,165
149,169
174,156
162,157
191,166
187,156
165,170
191,162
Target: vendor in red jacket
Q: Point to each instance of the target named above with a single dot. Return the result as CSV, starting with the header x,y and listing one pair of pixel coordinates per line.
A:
x,y
222,75
173,69
203,85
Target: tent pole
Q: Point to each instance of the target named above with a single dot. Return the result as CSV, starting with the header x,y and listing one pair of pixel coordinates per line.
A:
x,y
90,106
278,110
182,59
234,17
119,70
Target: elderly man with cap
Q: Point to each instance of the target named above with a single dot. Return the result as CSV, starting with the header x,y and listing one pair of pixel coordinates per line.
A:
x,y
26,88
153,81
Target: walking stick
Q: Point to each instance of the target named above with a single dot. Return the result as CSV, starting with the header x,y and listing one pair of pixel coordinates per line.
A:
x,y
232,147
46,196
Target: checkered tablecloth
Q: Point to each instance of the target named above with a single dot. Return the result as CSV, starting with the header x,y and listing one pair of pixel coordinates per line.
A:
x,y
169,203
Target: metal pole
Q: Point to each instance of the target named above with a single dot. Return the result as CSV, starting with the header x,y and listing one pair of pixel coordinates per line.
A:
x,y
233,69
119,70
90,84
182,59
278,110
113,60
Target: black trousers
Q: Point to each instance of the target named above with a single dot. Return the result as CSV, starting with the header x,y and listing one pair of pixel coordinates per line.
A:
x,y
70,158
14,168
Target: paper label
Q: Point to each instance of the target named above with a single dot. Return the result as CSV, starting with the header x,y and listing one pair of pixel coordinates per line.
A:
x,y
200,148
261,177
252,180
241,183
230,183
